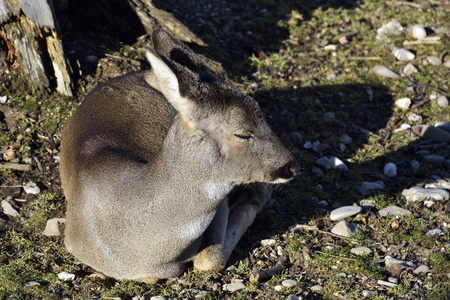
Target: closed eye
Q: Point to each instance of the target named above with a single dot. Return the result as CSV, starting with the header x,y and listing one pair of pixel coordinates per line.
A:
x,y
244,136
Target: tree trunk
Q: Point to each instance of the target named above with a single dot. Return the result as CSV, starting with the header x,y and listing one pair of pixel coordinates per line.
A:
x,y
33,41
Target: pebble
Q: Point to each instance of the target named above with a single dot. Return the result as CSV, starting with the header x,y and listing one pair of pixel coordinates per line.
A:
x,y
422,269
8,209
91,58
66,276
376,185
384,71
434,60
324,162
52,227
367,293
403,103
316,171
158,298
393,280
31,188
234,286
418,32
343,275
389,261
254,86
415,165
429,203
360,251
394,211
323,203
403,54
345,211
345,228
434,159
268,242
435,134
442,101
386,283
433,232
403,127
296,138
414,118
289,283
3,99
390,170
367,204
338,164
438,185
278,288
292,297
329,248
416,194
316,288
345,139
409,69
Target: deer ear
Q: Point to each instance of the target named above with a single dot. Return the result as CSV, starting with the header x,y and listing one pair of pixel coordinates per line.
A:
x,y
170,86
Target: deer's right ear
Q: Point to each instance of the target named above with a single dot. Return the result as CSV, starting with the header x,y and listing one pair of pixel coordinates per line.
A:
x,y
170,86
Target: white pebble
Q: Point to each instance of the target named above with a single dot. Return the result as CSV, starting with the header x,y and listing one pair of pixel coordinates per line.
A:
x,y
414,118
403,54
403,127
390,170
389,260
421,269
66,276
52,227
360,251
3,99
234,286
278,288
410,69
289,283
268,242
418,32
384,71
434,60
433,232
416,194
429,203
31,188
316,288
158,298
403,103
344,228
8,209
338,164
442,101
394,211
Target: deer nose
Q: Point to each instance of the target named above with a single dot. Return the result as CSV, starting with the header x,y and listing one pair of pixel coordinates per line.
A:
x,y
295,169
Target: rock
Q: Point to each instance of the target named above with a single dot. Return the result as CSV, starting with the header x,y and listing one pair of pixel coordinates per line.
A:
x,y
323,203
390,170
268,242
8,208
403,103
434,159
386,283
403,127
31,188
316,171
434,60
409,69
391,28
296,138
389,260
384,71
418,32
254,86
345,211
367,293
278,288
344,228
377,185
415,165
433,232
442,101
429,203
316,288
345,139
91,58
361,251
234,286
415,118
292,297
324,162
432,133
394,211
403,54
423,269
367,204
3,99
416,194
52,227
338,164
393,280
289,283
158,298
66,276
32,283
438,185
343,275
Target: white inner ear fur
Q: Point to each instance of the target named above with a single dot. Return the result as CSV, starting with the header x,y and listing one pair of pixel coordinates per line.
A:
x,y
169,85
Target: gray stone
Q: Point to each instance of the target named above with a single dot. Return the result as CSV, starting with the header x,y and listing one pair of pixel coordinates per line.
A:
x,y
345,139
390,170
316,288
52,227
376,185
343,275
442,184
394,211
296,138
361,251
278,288
389,261
158,298
393,280
324,162
316,171
345,211
409,69
367,204
292,297
289,283
442,101
66,276
234,286
433,232
344,228
422,269
434,159
31,188
8,209
384,71
415,165
416,194
367,293
434,60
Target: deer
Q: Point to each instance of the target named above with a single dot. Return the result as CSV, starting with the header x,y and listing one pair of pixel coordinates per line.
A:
x,y
165,168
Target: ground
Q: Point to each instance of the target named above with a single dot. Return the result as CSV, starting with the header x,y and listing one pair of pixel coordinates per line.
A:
x,y
309,65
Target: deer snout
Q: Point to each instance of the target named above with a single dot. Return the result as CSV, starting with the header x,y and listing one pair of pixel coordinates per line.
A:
x,y
286,172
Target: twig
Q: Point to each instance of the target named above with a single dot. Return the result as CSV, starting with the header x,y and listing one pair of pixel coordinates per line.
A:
x,y
16,166
260,276
427,40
